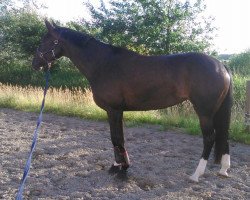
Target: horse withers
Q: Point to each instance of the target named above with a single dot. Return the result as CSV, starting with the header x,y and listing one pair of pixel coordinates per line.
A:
x,y
122,80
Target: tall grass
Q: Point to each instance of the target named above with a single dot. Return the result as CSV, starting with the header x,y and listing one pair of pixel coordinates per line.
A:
x,y
240,63
76,102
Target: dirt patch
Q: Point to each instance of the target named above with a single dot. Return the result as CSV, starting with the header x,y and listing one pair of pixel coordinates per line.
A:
x,y
73,156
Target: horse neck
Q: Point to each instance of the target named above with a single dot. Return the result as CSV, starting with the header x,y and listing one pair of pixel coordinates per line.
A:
x,y
89,58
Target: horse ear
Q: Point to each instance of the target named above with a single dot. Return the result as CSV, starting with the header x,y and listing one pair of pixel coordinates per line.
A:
x,y
54,24
51,28
48,25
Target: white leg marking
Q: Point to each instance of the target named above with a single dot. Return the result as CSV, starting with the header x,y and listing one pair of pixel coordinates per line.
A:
x,y
117,164
199,170
225,165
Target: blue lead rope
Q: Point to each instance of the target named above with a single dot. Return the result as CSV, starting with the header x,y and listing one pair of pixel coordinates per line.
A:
x,y
36,133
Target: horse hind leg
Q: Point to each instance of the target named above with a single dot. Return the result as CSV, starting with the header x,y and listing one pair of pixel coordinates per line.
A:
x,y
208,132
221,124
222,148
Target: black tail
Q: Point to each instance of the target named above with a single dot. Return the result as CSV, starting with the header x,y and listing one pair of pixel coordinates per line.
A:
x,y
222,123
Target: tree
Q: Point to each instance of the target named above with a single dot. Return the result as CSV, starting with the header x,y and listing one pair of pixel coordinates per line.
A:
x,y
152,26
3,6
240,63
20,34
7,5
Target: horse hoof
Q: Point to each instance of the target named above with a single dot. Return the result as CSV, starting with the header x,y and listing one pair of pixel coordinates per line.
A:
x,y
223,174
194,178
114,169
124,167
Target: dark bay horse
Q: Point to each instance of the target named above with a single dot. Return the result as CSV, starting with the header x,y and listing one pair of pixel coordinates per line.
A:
x,y
122,80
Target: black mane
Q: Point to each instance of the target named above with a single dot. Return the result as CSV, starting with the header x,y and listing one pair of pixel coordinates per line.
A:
x,y
76,37
80,39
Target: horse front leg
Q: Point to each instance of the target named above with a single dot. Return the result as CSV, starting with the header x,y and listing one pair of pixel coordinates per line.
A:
x,y
116,129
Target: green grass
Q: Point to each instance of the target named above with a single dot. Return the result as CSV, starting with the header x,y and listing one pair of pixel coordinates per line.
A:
x,y
77,103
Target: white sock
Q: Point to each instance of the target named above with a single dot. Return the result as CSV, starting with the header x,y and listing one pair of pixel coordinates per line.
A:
x,y
199,170
225,164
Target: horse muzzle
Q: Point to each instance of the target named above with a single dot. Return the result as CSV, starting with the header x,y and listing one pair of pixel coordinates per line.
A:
x,y
40,65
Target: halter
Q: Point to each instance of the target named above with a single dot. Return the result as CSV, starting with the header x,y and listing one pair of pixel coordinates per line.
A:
x,y
52,51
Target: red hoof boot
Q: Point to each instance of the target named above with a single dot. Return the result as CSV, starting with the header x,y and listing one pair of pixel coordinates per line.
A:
x,y
121,158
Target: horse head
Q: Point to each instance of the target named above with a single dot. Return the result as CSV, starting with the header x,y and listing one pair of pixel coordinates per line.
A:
x,y
50,48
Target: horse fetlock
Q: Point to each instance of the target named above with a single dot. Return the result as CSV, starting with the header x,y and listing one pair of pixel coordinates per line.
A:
x,y
225,161
225,165
121,157
199,170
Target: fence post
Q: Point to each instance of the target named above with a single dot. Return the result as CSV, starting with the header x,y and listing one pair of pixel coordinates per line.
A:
x,y
247,113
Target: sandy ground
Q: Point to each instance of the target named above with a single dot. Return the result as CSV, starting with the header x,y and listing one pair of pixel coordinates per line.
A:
x,y
73,156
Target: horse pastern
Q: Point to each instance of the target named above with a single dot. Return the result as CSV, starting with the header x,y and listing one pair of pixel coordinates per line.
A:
x,y
114,169
117,164
118,167
124,167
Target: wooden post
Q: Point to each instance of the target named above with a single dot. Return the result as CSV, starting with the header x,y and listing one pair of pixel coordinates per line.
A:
x,y
247,113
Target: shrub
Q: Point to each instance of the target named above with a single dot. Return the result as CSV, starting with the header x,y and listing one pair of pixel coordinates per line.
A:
x,y
240,63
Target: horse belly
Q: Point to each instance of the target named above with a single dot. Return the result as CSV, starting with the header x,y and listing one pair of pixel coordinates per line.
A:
x,y
152,100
